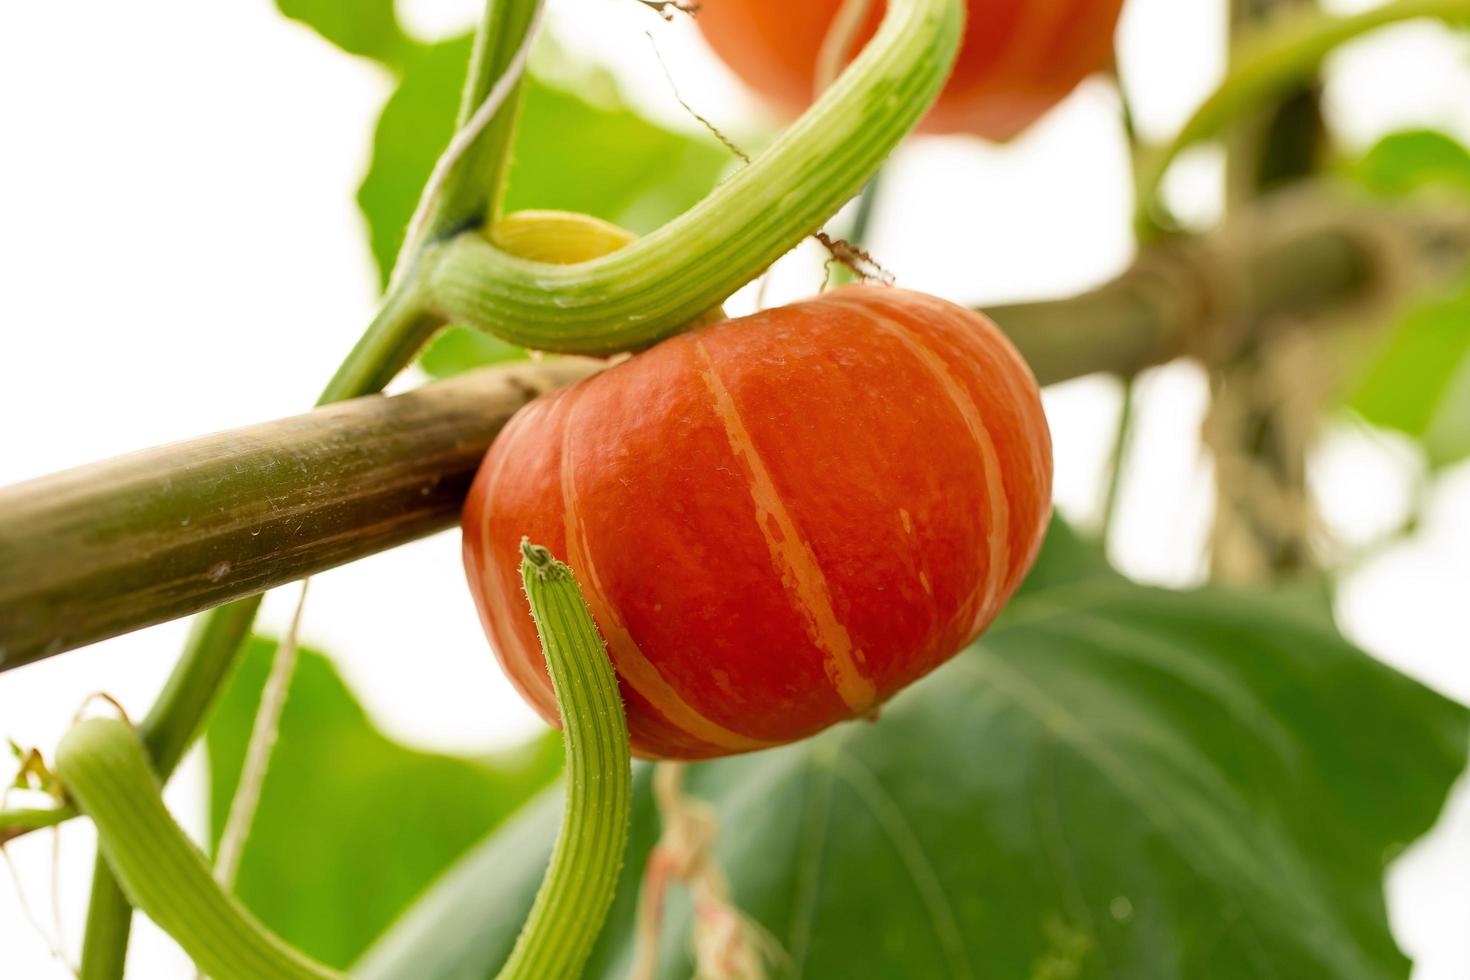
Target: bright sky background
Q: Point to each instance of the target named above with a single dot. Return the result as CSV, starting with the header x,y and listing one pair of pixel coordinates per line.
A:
x,y
180,253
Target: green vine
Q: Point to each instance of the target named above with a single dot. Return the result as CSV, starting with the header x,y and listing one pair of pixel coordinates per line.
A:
x,y
209,656
658,285
105,767
578,888
402,326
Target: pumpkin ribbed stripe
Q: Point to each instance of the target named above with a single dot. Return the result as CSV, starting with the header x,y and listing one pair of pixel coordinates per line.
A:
x,y
634,669
981,605
791,555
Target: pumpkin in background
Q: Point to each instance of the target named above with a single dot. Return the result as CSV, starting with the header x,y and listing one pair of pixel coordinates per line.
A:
x,y
1018,59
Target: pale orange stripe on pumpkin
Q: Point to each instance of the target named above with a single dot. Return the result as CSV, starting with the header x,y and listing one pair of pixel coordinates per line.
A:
x,y
632,665
1000,347
997,534
801,575
1014,369
1033,415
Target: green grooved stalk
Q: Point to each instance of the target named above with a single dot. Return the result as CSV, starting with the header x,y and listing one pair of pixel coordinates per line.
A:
x,y
171,725
105,769
578,888
659,284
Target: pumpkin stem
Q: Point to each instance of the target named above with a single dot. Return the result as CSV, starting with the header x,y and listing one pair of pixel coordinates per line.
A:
x,y
578,888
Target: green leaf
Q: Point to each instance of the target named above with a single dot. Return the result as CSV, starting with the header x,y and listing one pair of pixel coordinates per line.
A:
x,y
1419,381
1407,161
413,129
598,158
1116,781
605,160
366,27
581,150
351,825
460,349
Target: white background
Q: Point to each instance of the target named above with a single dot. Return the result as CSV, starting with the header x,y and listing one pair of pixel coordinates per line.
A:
x,y
180,252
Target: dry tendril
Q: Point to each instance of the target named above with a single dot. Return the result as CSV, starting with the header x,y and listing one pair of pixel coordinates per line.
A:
x,y
668,8
727,945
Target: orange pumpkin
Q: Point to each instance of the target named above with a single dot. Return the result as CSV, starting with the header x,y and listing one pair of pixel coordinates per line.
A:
x,y
778,521
1018,59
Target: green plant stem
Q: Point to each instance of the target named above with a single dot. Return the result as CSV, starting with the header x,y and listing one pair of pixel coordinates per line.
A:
x,y
104,765
174,721
658,285
21,821
213,650
1264,67
578,888
1116,461
402,326
471,193
1127,118
208,658
258,749
867,206
214,646
857,235
105,768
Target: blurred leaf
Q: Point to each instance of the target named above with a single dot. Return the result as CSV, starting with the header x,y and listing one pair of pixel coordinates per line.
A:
x,y
460,349
412,131
1066,559
607,161
365,27
1116,781
1419,382
351,825
592,155
598,158
1407,161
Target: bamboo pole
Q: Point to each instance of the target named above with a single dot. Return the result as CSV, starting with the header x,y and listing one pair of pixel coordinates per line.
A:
x,y
122,544
114,546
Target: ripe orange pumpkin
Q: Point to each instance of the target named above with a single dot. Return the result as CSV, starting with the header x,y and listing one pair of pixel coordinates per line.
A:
x,y
1018,58
778,521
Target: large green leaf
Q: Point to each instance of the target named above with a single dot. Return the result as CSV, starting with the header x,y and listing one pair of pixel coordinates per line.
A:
x,y
580,151
1117,781
351,825
365,27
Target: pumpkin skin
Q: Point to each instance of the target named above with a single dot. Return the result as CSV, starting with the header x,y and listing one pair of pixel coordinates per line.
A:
x,y
1017,60
778,521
